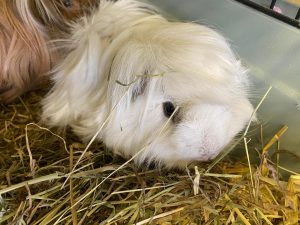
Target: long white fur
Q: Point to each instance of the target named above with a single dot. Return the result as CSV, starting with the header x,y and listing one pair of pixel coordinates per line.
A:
x,y
197,71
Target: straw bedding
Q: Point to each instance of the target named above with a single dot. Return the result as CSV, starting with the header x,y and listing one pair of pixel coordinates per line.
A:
x,y
46,179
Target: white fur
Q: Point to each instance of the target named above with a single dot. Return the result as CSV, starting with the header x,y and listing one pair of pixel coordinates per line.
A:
x,y
197,72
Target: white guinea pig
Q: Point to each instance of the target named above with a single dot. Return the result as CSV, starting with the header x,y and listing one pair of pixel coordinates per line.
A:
x,y
129,69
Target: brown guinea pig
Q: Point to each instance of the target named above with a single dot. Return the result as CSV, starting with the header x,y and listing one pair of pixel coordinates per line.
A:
x,y
27,26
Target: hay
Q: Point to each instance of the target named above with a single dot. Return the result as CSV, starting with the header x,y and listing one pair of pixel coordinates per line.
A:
x,y
39,183
295,2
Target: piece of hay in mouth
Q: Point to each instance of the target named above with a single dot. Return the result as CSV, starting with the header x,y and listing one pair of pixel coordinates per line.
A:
x,y
31,183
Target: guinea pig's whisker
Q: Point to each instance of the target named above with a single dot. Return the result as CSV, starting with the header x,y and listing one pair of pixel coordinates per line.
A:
x,y
228,150
255,110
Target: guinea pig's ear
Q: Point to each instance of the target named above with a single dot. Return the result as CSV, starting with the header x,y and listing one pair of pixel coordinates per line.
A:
x,y
129,74
139,87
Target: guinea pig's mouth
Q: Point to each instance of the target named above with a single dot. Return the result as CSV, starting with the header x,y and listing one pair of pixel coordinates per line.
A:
x,y
208,157
202,155
209,152
219,151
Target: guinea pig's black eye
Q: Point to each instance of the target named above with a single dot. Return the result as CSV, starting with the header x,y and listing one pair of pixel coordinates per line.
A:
x,y
168,108
67,3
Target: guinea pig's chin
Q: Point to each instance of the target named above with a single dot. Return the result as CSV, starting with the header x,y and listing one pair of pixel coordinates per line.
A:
x,y
172,155
200,155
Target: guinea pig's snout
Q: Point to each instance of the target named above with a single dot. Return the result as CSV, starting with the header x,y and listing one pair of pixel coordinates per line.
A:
x,y
203,134
200,144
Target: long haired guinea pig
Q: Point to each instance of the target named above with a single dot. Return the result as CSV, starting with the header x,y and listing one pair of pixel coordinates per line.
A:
x,y
26,28
172,92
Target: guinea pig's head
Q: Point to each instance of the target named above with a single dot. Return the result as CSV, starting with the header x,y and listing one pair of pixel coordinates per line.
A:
x,y
58,12
180,95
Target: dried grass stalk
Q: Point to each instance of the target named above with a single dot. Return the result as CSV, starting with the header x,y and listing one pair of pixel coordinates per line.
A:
x,y
46,179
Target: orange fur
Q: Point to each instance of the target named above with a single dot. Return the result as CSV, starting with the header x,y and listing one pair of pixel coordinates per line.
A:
x,y
26,27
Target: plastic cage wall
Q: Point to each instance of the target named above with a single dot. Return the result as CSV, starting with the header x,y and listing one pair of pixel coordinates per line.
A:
x,y
268,43
286,11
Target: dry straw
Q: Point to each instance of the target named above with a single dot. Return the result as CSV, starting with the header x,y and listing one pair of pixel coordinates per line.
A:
x,y
46,179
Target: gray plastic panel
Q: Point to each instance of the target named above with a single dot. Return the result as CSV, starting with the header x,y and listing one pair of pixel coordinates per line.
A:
x,y
269,48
